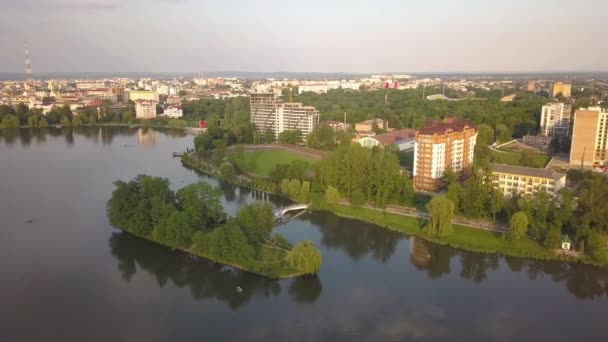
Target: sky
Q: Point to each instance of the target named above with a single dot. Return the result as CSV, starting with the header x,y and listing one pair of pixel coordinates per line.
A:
x,y
304,36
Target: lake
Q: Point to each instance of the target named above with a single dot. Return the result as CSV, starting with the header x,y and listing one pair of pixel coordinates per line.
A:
x,y
69,276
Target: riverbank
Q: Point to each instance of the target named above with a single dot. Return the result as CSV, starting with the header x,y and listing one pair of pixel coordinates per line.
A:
x,y
471,239
260,268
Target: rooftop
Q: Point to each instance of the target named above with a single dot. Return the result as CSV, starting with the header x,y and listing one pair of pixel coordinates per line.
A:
x,y
395,136
527,171
441,127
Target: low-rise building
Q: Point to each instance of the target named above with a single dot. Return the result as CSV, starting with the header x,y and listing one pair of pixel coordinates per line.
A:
x,y
404,139
562,88
511,179
145,109
366,128
173,111
539,140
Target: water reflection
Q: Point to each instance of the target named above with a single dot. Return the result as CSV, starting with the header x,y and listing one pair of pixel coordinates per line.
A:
x,y
143,135
366,239
203,278
582,281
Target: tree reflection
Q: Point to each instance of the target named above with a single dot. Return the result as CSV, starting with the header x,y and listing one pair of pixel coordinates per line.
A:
x,y
305,289
475,266
356,238
203,278
433,258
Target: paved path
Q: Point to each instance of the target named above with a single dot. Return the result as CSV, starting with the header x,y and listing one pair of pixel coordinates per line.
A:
x,y
412,212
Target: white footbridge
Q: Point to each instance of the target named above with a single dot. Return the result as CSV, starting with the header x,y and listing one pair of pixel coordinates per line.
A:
x,y
279,213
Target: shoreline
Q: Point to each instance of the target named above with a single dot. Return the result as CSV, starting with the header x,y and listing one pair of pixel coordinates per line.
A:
x,y
464,238
224,263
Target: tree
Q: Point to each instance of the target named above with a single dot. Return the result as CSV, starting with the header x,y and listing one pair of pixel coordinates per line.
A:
x,y
357,198
43,123
10,121
596,247
332,195
553,238
441,211
305,258
518,225
77,122
269,135
256,220
65,122
290,137
321,138
227,171
485,134
32,121
503,133
496,203
177,123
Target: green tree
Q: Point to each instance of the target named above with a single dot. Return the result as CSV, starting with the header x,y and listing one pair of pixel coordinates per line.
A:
x,y
305,258
10,121
441,211
227,171
322,138
290,137
357,198
518,225
65,122
256,220
43,123
485,134
32,121
77,122
503,133
596,247
553,238
332,196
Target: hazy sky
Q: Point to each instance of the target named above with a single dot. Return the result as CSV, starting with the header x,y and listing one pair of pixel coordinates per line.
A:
x,y
305,35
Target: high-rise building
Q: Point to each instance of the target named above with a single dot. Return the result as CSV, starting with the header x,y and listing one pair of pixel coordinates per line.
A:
x,y
295,116
590,137
442,145
262,107
562,88
555,119
269,112
145,109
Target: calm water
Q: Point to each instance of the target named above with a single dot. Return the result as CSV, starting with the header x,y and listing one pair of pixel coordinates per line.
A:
x,y
69,276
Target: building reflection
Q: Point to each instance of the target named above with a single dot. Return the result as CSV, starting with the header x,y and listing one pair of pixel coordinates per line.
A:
x,y
146,136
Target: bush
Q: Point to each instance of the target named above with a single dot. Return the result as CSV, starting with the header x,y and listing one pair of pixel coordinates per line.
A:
x,y
282,241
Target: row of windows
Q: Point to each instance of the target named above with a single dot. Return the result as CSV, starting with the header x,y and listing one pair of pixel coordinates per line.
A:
x,y
523,179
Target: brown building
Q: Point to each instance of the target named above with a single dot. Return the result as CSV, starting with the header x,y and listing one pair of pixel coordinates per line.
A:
x,y
531,86
589,137
442,145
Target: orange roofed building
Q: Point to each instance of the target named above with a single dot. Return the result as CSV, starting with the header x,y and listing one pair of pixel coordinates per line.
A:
x,y
439,146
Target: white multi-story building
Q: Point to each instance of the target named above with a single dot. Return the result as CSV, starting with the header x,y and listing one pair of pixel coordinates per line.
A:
x,y
145,109
268,112
295,116
174,111
555,119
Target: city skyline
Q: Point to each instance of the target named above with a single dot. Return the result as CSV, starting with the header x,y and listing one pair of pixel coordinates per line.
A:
x,y
272,36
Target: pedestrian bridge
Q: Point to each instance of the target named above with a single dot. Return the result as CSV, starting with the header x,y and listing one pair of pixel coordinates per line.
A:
x,y
278,214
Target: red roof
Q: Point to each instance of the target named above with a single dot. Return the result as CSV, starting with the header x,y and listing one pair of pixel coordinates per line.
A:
x,y
441,127
395,136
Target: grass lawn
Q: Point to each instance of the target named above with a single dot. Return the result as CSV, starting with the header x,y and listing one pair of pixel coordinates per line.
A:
x,y
514,158
261,162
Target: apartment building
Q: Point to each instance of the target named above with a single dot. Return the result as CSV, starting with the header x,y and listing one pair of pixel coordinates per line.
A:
x,y
269,112
262,110
562,88
526,181
145,109
295,116
555,119
590,137
442,145
134,95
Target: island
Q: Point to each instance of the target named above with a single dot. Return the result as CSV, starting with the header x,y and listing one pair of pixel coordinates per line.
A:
x,y
193,220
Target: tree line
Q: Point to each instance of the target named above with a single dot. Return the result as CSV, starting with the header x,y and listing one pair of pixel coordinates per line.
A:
x,y
193,219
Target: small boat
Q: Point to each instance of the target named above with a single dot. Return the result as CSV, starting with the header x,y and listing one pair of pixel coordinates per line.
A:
x,y
177,154
28,220
239,289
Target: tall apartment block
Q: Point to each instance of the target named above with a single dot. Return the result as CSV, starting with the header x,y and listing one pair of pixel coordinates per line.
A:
x,y
555,119
564,88
269,112
145,109
589,137
442,145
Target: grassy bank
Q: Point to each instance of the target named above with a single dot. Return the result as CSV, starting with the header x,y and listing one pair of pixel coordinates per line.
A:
x,y
470,239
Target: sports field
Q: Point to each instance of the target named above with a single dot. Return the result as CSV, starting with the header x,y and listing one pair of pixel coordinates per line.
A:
x,y
261,162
